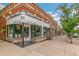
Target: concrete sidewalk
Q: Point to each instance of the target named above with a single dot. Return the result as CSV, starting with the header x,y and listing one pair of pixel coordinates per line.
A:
x,y
59,46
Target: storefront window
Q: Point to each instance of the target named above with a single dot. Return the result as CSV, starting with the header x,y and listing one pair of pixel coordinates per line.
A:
x,y
10,30
15,31
26,31
35,31
45,31
38,31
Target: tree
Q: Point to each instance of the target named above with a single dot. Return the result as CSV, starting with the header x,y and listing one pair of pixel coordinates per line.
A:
x,y
68,19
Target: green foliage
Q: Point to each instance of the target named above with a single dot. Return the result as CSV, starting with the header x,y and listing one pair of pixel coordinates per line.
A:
x,y
68,25
76,31
68,22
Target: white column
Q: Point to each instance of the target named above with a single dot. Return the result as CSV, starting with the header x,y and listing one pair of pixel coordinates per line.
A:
x,y
30,31
42,31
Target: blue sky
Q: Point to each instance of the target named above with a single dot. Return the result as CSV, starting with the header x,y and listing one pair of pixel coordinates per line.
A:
x,y
49,7
4,4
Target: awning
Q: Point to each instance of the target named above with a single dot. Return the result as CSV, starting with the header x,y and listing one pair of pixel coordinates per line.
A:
x,y
26,19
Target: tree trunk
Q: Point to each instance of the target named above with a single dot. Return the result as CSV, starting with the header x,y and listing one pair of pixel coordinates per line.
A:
x,y
71,38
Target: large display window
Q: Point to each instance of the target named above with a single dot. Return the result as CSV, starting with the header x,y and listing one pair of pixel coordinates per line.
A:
x,y
45,31
15,31
10,31
35,31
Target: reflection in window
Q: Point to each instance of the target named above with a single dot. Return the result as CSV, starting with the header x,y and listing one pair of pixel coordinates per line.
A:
x,y
16,31
35,31
10,31
45,31
38,31
26,31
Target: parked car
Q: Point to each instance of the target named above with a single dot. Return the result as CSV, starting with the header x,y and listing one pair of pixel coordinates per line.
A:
x,y
75,35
